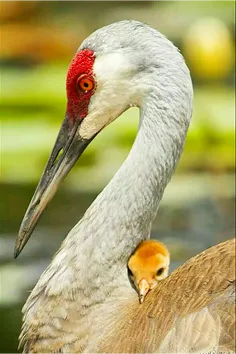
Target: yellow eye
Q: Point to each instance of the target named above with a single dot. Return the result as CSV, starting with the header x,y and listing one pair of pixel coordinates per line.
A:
x,y
85,83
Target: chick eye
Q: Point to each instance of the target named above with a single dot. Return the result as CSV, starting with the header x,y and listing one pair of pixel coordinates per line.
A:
x,y
85,83
160,271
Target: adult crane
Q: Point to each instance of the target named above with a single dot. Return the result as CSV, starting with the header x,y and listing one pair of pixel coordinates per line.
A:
x,y
83,302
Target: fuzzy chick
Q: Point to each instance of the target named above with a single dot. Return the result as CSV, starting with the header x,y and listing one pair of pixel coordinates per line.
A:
x,y
148,264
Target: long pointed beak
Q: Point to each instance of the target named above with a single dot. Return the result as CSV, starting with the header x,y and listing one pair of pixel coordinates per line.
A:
x,y
144,288
67,149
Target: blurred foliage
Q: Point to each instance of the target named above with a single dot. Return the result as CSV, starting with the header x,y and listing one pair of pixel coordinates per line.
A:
x,y
209,49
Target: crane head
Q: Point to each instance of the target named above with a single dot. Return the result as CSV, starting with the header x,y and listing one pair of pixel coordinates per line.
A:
x,y
100,86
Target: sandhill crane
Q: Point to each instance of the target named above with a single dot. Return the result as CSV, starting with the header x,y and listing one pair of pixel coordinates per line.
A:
x,y
148,264
83,302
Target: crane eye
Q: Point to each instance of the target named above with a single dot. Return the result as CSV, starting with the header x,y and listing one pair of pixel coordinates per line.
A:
x,y
85,83
160,271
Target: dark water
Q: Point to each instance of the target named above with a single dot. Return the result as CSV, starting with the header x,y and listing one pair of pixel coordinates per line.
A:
x,y
186,227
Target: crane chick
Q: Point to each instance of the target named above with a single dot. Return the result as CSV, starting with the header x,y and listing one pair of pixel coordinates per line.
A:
x,y
147,265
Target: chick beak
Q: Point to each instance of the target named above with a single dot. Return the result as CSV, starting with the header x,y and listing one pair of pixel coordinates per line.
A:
x,y
144,288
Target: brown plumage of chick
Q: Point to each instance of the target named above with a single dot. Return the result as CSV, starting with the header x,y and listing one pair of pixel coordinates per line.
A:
x,y
148,264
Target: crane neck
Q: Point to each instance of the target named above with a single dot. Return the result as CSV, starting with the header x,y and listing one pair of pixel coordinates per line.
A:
x,y
128,205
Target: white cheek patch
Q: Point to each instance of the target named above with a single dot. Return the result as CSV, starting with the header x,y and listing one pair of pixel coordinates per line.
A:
x,y
109,67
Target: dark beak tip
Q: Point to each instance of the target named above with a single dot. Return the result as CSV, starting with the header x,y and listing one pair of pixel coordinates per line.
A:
x,y
20,243
18,249
16,253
